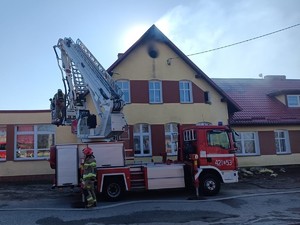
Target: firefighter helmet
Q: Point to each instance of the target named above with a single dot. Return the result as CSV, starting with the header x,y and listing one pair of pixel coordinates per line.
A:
x,y
87,151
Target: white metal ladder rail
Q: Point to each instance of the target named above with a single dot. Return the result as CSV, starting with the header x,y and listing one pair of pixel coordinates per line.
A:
x,y
78,80
104,75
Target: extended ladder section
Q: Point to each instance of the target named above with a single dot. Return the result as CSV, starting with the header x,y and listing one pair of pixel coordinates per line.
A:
x,y
87,71
79,84
84,74
100,72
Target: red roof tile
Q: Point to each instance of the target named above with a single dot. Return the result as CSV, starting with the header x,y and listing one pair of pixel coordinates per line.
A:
x,y
257,98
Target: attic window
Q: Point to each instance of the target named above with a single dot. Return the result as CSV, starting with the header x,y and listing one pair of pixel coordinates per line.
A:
x,y
293,100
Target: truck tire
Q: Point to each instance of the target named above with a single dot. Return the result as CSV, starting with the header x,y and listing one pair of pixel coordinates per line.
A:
x,y
209,184
113,189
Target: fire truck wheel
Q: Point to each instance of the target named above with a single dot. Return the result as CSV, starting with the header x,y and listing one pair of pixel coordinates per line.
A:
x,y
113,189
209,184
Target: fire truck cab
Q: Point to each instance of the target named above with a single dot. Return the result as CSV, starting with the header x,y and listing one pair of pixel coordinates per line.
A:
x,y
212,150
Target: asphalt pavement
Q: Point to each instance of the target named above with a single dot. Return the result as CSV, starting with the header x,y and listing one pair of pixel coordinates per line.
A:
x,y
21,196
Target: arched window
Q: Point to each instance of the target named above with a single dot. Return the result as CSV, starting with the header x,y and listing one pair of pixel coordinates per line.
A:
x,y
142,140
171,138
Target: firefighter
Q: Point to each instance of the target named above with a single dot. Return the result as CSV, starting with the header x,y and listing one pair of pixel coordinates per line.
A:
x,y
89,177
58,106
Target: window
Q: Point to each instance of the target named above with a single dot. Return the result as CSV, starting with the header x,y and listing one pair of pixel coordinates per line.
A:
x,y
142,140
124,85
247,143
218,138
282,141
171,138
2,143
189,135
207,97
293,100
155,92
185,91
33,141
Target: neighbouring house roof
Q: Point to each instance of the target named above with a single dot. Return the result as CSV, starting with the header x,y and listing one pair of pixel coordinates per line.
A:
x,y
259,102
154,34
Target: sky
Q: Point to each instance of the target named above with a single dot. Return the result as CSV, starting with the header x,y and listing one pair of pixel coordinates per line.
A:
x,y
29,29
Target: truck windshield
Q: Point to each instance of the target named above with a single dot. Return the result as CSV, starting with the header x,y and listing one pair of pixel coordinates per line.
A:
x,y
218,138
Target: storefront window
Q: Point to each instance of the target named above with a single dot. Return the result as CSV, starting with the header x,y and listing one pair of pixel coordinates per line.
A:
x,y
44,143
2,143
24,128
34,141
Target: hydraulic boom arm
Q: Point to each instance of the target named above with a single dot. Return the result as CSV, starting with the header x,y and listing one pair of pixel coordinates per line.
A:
x,y
83,75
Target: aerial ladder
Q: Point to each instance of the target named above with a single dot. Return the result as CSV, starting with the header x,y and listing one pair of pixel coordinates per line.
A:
x,y
84,76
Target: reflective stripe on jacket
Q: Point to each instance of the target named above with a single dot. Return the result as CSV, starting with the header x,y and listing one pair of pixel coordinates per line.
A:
x,y
89,168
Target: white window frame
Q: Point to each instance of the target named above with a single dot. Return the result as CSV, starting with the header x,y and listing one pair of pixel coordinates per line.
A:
x,y
242,139
35,134
185,93
3,138
285,140
141,136
172,142
295,97
155,93
125,90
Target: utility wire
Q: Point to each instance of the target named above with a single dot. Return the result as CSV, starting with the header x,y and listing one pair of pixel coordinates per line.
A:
x,y
240,42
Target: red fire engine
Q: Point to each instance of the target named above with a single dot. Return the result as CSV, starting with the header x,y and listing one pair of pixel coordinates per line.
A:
x,y
206,155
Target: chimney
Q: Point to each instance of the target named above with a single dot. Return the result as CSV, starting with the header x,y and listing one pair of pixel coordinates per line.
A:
x,y
275,77
120,55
